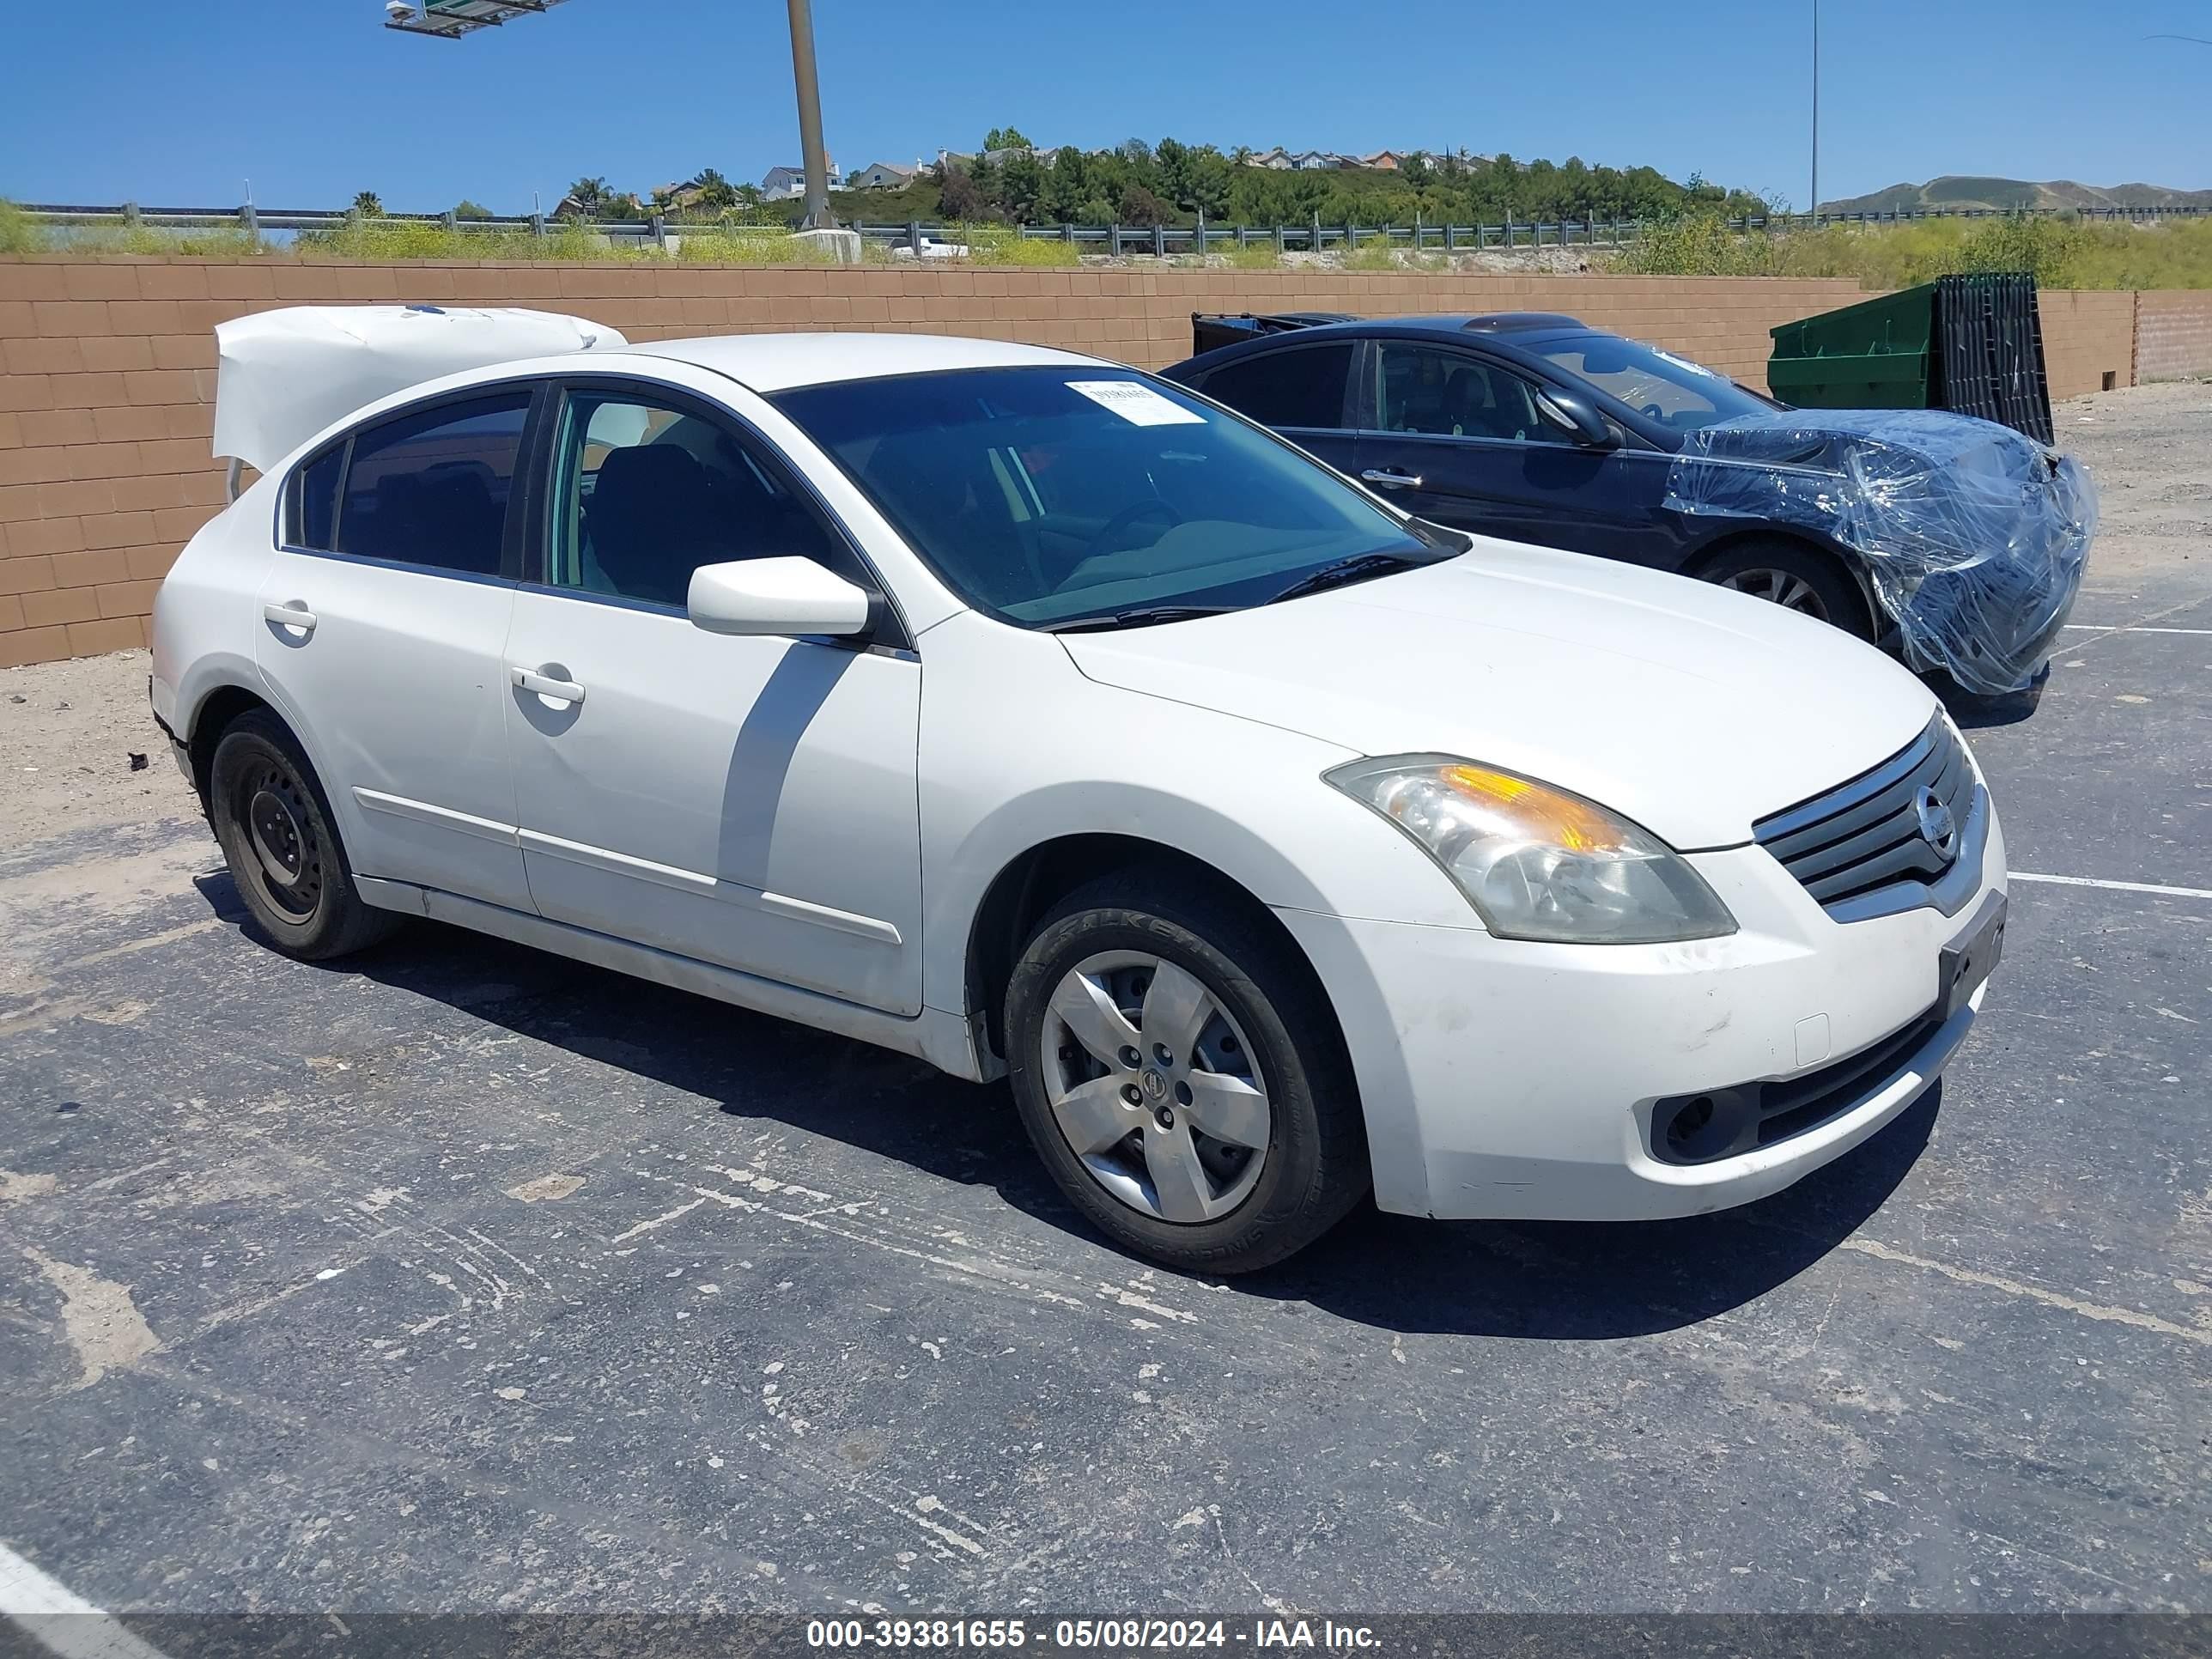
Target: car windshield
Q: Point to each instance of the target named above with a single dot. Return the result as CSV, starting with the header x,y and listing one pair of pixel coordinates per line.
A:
x,y
1673,391
1049,496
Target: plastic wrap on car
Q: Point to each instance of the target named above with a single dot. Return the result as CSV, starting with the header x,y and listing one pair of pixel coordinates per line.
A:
x,y
1973,534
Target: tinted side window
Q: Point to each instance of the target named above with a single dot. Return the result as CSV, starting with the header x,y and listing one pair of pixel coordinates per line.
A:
x,y
1445,393
1301,386
431,488
312,514
644,494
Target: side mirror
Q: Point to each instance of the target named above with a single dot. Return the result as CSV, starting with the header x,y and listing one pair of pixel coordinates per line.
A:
x,y
1574,413
774,596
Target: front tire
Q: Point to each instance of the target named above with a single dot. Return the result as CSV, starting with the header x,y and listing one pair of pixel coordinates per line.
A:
x,y
274,825
1796,578
1182,1081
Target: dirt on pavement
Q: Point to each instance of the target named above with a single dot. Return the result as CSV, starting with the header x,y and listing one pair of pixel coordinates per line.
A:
x,y
2147,449
68,731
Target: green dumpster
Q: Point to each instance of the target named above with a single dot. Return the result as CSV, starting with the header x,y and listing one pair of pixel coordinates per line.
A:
x,y
1970,343
1873,354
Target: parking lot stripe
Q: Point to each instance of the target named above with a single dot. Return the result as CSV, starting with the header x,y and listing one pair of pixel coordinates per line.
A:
x,y
50,1612
2073,1304
2141,625
2129,628
2116,886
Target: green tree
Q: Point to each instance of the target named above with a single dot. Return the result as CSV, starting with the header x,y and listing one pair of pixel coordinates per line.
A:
x,y
1007,138
588,195
988,180
716,194
465,208
1022,189
368,205
1139,206
958,198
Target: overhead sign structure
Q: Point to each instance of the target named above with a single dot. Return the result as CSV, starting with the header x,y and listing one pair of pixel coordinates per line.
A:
x,y
451,19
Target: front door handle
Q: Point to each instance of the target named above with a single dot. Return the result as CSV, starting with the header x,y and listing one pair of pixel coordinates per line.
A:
x,y
292,614
544,685
1389,477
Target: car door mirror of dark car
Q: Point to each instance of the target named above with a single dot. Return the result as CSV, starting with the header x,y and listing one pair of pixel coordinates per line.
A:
x,y
788,596
1577,417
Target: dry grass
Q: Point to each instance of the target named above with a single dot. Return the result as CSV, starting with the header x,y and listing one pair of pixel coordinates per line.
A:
x,y
2061,252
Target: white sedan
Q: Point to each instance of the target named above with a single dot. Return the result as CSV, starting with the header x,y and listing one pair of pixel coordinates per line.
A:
x,y
1023,713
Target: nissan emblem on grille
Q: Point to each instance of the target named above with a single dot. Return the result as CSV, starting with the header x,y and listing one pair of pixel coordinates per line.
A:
x,y
1937,827
1885,840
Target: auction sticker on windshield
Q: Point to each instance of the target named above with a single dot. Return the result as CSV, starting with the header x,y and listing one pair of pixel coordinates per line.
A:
x,y
1137,402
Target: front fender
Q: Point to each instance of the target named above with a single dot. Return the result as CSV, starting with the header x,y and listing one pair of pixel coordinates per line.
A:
x,y
1000,777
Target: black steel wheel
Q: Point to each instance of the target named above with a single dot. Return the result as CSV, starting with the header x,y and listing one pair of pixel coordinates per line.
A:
x,y
284,855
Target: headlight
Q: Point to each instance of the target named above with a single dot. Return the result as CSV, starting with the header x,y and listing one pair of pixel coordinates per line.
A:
x,y
1536,862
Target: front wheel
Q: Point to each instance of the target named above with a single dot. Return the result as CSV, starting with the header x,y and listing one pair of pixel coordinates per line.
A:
x,y
1182,1081
284,855
1796,578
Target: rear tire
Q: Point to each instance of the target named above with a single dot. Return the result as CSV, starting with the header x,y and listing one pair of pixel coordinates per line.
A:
x,y
1796,577
274,827
1185,1085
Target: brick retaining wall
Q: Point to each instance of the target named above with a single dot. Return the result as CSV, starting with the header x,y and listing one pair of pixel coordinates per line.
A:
x,y
2173,334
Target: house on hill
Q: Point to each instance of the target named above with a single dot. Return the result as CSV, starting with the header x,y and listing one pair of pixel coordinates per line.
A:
x,y
1320,161
786,183
882,175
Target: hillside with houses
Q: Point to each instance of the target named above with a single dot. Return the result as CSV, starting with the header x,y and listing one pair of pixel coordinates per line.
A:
x,y
1009,180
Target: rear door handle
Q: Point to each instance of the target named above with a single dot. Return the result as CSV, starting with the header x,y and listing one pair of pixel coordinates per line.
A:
x,y
1389,477
544,685
292,615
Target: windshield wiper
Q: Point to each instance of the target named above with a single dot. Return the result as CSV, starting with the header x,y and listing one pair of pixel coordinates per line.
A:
x,y
1357,567
1143,617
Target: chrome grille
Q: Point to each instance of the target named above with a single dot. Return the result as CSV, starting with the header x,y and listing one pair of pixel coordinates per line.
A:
x,y
1867,838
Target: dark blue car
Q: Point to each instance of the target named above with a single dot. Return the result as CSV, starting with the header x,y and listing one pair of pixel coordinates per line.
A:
x,y
1534,427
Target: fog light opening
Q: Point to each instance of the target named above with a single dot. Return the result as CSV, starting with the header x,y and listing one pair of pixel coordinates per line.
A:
x,y
1689,1123
1700,1127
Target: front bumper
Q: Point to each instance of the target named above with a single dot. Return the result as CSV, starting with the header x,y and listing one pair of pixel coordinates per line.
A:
x,y
1502,1078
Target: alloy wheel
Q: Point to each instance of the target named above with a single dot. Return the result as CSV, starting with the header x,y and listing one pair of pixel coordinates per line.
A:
x,y
1155,1087
1791,593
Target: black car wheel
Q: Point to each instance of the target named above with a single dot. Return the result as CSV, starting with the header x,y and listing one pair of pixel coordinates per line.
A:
x,y
1796,578
285,859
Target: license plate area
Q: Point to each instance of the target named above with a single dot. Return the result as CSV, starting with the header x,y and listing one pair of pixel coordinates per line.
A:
x,y
1968,960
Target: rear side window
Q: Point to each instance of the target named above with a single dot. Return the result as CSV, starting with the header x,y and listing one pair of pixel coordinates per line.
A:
x,y
311,515
1302,386
1421,388
431,487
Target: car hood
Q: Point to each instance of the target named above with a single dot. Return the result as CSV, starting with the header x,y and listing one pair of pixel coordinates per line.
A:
x,y
1689,708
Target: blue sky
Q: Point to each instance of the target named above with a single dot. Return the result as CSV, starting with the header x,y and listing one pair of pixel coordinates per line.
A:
x,y
171,104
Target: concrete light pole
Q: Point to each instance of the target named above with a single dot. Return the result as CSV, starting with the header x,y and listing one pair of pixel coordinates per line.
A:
x,y
1816,112
811,154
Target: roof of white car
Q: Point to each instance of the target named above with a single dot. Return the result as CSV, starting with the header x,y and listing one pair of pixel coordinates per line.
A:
x,y
773,362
